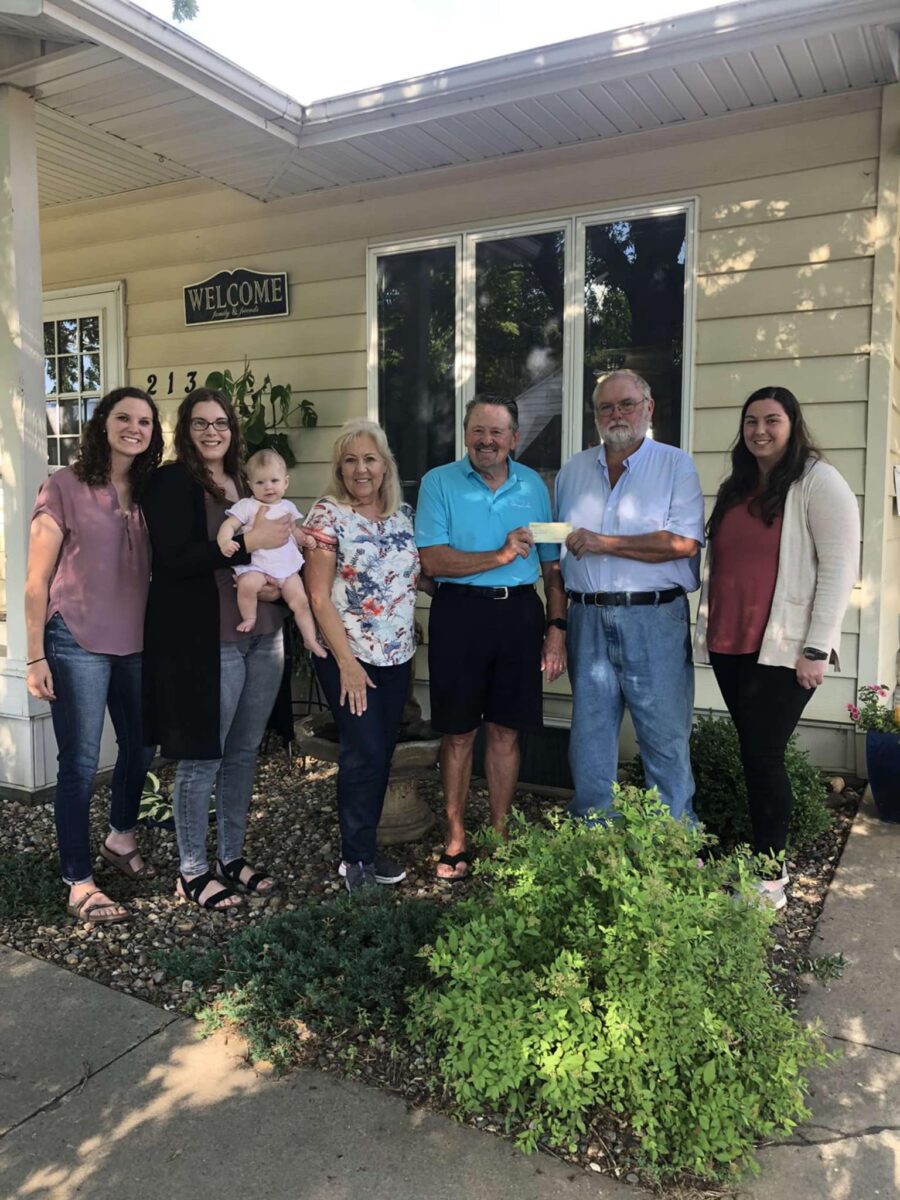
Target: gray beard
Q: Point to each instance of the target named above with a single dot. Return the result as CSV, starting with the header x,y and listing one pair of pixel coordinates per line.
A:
x,y
621,439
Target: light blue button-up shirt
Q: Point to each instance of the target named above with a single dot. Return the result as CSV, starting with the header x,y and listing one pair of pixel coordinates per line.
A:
x,y
457,508
658,490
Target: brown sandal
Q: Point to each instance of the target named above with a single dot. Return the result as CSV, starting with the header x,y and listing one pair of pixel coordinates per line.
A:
x,y
93,915
122,863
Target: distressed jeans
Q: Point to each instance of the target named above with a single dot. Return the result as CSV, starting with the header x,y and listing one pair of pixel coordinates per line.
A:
x,y
86,685
249,677
640,657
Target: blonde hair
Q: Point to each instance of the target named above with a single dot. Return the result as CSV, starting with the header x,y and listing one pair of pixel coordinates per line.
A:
x,y
262,458
391,497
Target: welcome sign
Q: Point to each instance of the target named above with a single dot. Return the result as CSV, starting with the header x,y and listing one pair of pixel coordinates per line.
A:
x,y
239,295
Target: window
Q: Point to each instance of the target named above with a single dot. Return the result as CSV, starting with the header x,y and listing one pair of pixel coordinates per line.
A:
x,y
83,359
532,313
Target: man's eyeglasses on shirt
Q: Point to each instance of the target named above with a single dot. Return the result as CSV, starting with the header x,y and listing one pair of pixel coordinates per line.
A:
x,y
220,424
624,407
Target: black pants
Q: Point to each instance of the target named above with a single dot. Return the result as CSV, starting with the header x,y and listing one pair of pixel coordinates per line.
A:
x,y
765,704
366,747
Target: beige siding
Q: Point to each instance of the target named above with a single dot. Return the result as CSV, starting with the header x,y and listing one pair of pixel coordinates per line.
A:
x,y
783,295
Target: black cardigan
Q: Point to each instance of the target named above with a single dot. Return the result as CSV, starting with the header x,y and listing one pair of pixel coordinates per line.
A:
x,y
181,630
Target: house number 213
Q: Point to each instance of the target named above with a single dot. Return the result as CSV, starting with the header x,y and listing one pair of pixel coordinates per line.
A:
x,y
165,385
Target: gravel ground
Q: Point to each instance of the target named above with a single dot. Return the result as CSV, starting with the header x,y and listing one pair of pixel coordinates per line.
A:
x,y
293,832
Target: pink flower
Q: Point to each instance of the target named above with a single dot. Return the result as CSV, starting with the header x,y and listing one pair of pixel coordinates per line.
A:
x,y
882,690
853,711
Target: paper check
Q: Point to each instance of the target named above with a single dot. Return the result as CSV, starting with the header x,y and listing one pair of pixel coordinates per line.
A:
x,y
550,531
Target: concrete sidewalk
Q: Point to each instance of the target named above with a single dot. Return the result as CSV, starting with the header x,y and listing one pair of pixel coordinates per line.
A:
x,y
101,1094
850,1148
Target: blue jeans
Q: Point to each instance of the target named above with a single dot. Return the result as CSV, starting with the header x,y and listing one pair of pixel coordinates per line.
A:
x,y
249,677
366,747
639,657
86,684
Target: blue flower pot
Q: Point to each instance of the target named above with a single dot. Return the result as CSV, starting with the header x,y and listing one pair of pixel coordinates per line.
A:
x,y
883,765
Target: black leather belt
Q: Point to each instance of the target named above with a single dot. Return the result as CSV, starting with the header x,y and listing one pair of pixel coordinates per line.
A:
x,y
487,593
626,599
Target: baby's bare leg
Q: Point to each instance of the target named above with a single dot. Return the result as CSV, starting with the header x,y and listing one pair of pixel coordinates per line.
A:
x,y
294,594
248,586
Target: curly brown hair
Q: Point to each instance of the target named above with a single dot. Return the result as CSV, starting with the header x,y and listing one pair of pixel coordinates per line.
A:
x,y
186,451
92,465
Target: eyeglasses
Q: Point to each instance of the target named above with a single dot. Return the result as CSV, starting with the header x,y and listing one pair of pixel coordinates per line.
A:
x,y
624,407
220,424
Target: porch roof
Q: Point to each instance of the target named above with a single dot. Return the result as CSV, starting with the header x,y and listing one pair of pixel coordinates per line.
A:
x,y
125,101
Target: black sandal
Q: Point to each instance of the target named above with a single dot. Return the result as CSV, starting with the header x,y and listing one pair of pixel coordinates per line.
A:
x,y
464,858
192,889
231,873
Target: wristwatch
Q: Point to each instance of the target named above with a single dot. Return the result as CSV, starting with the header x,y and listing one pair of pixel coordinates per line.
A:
x,y
558,623
815,655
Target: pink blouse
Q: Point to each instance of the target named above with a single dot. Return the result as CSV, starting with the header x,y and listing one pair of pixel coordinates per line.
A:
x,y
99,585
742,581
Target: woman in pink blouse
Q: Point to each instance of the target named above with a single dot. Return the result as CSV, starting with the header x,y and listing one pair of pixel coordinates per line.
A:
x,y
783,553
85,595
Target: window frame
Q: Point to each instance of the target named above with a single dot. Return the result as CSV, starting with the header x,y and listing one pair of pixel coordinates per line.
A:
x,y
574,225
106,300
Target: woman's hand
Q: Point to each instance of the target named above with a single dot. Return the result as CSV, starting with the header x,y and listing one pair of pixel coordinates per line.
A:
x,y
270,590
39,680
354,682
810,674
267,535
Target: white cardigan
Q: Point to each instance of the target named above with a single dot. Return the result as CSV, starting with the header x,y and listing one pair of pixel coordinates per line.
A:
x,y
818,564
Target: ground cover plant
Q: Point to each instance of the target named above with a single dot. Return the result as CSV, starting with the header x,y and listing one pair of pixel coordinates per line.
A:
x,y
605,968
344,964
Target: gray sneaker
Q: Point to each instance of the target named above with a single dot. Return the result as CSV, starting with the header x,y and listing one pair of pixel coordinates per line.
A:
x,y
359,876
386,870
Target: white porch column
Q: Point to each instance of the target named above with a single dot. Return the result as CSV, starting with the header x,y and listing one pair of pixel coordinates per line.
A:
x,y
23,442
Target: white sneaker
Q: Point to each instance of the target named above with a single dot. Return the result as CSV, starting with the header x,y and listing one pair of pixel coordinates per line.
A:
x,y
771,892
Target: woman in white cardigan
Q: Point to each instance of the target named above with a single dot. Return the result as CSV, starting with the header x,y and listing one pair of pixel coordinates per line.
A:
x,y
783,556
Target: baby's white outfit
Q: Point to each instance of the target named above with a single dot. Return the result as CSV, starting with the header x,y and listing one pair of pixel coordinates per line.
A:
x,y
278,563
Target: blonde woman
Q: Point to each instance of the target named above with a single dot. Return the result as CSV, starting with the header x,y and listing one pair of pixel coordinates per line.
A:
x,y
362,587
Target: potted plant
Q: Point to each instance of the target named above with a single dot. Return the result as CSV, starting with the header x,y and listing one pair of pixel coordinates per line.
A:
x,y
262,429
882,729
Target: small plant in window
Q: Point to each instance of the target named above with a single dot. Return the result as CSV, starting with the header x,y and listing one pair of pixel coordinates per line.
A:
x,y
264,410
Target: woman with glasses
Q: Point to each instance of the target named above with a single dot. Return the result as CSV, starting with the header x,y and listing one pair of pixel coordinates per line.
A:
x,y
85,595
208,689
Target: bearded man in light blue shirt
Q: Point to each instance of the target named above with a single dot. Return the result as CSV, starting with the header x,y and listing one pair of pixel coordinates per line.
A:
x,y
636,510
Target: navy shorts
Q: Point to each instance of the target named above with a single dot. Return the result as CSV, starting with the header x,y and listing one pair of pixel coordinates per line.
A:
x,y
484,659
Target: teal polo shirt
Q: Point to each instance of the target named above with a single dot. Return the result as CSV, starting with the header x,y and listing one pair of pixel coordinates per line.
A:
x,y
458,509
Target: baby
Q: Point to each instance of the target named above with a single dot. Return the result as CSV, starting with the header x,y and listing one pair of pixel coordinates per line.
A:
x,y
267,476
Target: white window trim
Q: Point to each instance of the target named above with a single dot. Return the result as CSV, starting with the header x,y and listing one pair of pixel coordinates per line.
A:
x,y
574,224
109,300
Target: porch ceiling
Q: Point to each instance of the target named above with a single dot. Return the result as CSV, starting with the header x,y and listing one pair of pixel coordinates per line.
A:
x,y
124,101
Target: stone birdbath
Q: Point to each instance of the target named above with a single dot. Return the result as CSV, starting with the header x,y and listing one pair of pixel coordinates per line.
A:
x,y
406,817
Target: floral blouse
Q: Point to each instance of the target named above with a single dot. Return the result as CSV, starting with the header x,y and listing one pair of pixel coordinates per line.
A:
x,y
375,581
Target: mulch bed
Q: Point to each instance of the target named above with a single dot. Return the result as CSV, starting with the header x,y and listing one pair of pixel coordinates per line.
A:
x,y
293,832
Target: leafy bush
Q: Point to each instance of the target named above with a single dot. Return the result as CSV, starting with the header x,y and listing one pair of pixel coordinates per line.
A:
x,y
345,963
721,799
30,887
606,970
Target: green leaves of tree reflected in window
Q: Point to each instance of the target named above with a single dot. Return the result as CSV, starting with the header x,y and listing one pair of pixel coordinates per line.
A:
x,y
416,360
519,287
634,313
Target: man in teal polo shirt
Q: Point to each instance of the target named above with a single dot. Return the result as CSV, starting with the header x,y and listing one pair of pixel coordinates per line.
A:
x,y
488,641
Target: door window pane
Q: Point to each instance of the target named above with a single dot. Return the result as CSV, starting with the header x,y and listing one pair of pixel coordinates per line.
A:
x,y
519,288
72,382
416,360
634,313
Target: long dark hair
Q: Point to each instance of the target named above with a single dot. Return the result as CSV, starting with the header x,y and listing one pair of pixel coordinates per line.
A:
x,y
92,465
744,480
186,451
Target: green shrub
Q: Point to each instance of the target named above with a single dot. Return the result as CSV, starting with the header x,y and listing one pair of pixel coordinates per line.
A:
x,y
345,963
30,887
604,969
721,799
